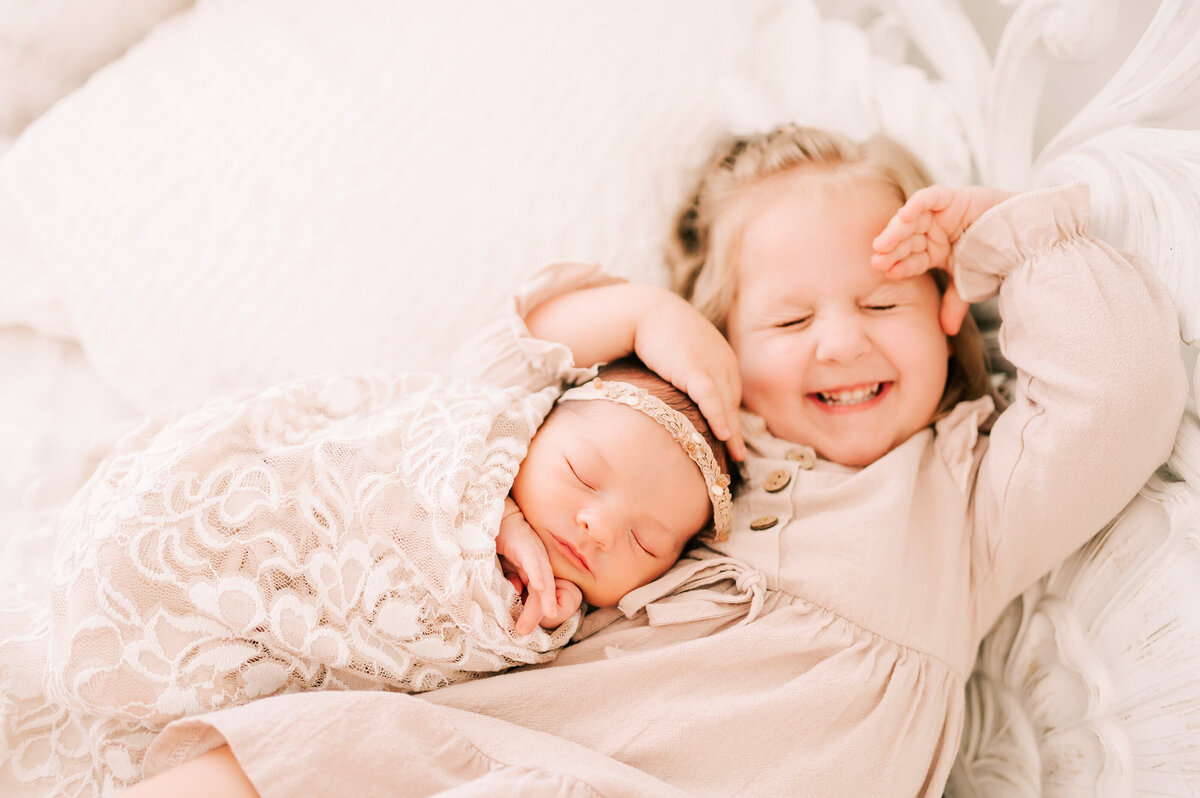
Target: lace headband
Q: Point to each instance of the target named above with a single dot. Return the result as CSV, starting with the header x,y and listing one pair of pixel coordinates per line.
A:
x,y
682,430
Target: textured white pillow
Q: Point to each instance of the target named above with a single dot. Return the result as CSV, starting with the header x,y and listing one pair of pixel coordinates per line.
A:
x,y
263,189
48,48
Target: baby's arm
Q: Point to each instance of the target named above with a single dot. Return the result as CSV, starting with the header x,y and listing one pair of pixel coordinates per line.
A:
x,y
670,336
548,601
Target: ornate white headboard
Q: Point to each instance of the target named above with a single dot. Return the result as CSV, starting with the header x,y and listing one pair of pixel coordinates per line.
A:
x,y
1090,683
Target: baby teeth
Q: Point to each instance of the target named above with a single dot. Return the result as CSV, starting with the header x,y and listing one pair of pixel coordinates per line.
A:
x,y
851,397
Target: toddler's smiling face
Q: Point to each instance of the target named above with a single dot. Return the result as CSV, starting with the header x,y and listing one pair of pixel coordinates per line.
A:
x,y
832,353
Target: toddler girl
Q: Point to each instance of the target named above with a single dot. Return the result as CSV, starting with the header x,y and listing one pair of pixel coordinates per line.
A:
x,y
884,496
891,509
338,533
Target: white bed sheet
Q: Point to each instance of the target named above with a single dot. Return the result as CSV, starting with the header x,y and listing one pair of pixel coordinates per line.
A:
x,y
57,418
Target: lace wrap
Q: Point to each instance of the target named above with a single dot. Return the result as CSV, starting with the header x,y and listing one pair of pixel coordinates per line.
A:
x,y
334,533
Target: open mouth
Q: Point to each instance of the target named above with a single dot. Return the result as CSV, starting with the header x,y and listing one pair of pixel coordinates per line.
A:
x,y
851,396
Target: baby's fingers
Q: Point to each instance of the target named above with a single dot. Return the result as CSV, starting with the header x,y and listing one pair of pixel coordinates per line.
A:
x,y
540,585
568,600
531,615
539,599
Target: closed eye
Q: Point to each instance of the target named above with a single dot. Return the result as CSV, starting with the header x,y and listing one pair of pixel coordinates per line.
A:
x,y
799,322
880,307
633,534
578,478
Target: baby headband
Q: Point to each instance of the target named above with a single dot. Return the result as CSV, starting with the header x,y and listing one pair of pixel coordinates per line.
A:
x,y
681,430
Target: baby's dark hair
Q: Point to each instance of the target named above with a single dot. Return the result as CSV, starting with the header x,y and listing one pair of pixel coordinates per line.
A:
x,y
634,372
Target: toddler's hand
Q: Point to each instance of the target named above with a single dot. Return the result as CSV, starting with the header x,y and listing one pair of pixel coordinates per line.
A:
x,y
568,598
922,235
526,565
685,349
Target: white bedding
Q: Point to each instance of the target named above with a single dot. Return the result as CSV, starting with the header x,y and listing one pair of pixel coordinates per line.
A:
x,y
260,190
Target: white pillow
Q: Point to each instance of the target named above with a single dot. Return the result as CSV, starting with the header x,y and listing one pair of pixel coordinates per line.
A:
x,y
263,189
49,48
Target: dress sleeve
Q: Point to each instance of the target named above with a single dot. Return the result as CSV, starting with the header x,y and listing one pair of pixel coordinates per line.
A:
x,y
1099,394
503,352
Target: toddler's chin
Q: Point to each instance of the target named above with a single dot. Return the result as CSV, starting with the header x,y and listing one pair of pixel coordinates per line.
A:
x,y
854,455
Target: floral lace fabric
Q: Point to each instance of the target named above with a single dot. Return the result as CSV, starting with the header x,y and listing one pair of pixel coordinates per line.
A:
x,y
333,533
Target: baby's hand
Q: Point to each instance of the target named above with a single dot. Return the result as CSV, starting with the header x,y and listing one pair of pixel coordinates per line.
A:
x,y
922,235
685,349
568,598
526,565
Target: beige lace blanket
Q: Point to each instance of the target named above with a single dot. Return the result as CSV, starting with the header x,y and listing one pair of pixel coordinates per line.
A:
x,y
334,533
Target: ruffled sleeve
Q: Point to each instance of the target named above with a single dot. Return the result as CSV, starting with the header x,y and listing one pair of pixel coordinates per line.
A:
x,y
503,352
1099,391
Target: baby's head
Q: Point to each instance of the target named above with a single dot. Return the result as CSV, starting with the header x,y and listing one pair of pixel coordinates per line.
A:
x,y
619,478
774,247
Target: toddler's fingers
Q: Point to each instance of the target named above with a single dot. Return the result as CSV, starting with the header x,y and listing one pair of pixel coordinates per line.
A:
x,y
731,394
917,263
736,445
928,200
703,390
895,233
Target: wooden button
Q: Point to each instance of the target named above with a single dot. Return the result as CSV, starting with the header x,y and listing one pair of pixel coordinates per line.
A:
x,y
777,480
802,456
765,522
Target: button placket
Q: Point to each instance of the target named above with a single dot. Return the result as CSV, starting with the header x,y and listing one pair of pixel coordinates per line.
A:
x,y
773,484
802,455
777,480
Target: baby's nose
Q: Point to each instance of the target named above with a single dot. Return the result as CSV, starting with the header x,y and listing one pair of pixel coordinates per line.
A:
x,y
597,527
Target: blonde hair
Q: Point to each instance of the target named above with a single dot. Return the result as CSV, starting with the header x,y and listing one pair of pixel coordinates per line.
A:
x,y
700,253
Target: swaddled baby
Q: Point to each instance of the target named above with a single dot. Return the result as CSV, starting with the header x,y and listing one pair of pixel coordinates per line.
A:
x,y
376,532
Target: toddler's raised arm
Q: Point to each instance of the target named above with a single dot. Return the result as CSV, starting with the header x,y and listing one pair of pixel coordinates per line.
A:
x,y
569,317
1099,391
668,335
922,235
